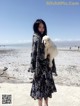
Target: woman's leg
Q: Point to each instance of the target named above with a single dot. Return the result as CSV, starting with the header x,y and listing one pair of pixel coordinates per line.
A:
x,y
46,102
40,102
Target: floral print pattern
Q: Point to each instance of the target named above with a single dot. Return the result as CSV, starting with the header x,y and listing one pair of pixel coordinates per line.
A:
x,y
43,83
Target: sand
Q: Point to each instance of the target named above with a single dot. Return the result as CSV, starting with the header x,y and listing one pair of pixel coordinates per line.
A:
x,y
16,79
65,95
18,61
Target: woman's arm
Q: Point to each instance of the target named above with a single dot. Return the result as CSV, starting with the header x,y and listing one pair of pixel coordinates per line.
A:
x,y
34,54
54,67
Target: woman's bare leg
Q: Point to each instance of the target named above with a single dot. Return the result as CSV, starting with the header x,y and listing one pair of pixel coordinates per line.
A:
x,y
40,102
46,102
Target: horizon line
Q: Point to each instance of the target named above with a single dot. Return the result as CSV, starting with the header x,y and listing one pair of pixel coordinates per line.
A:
x,y
56,40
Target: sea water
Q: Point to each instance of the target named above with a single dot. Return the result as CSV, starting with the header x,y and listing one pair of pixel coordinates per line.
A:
x,y
59,44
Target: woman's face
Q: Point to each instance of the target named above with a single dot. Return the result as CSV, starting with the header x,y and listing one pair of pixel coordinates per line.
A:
x,y
41,28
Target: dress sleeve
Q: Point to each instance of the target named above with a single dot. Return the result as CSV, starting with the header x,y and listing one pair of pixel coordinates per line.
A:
x,y
35,53
54,67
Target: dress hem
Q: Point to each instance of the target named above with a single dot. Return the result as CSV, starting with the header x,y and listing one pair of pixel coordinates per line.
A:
x,y
35,98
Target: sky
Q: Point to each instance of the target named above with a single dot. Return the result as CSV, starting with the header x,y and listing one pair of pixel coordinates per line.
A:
x,y
18,16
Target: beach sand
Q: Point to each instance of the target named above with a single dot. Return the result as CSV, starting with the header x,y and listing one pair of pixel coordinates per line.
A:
x,y
18,61
65,95
16,79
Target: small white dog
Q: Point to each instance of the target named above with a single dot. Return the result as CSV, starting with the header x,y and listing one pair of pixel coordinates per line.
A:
x,y
50,48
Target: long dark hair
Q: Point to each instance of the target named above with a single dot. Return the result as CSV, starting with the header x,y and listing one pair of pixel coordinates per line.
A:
x,y
36,25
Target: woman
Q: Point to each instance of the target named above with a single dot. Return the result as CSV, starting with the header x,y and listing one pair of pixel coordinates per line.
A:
x,y
43,83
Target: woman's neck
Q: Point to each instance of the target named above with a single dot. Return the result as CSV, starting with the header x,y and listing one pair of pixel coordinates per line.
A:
x,y
39,34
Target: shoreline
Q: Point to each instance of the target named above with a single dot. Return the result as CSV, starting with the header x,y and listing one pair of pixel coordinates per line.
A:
x,y
18,60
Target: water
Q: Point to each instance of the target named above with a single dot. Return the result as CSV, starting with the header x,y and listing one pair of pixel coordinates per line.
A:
x,y
16,46
61,44
67,43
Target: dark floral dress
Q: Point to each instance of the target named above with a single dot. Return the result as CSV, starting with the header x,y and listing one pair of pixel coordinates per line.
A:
x,y
43,83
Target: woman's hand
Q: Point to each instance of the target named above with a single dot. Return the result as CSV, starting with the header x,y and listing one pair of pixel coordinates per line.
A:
x,y
32,68
48,57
